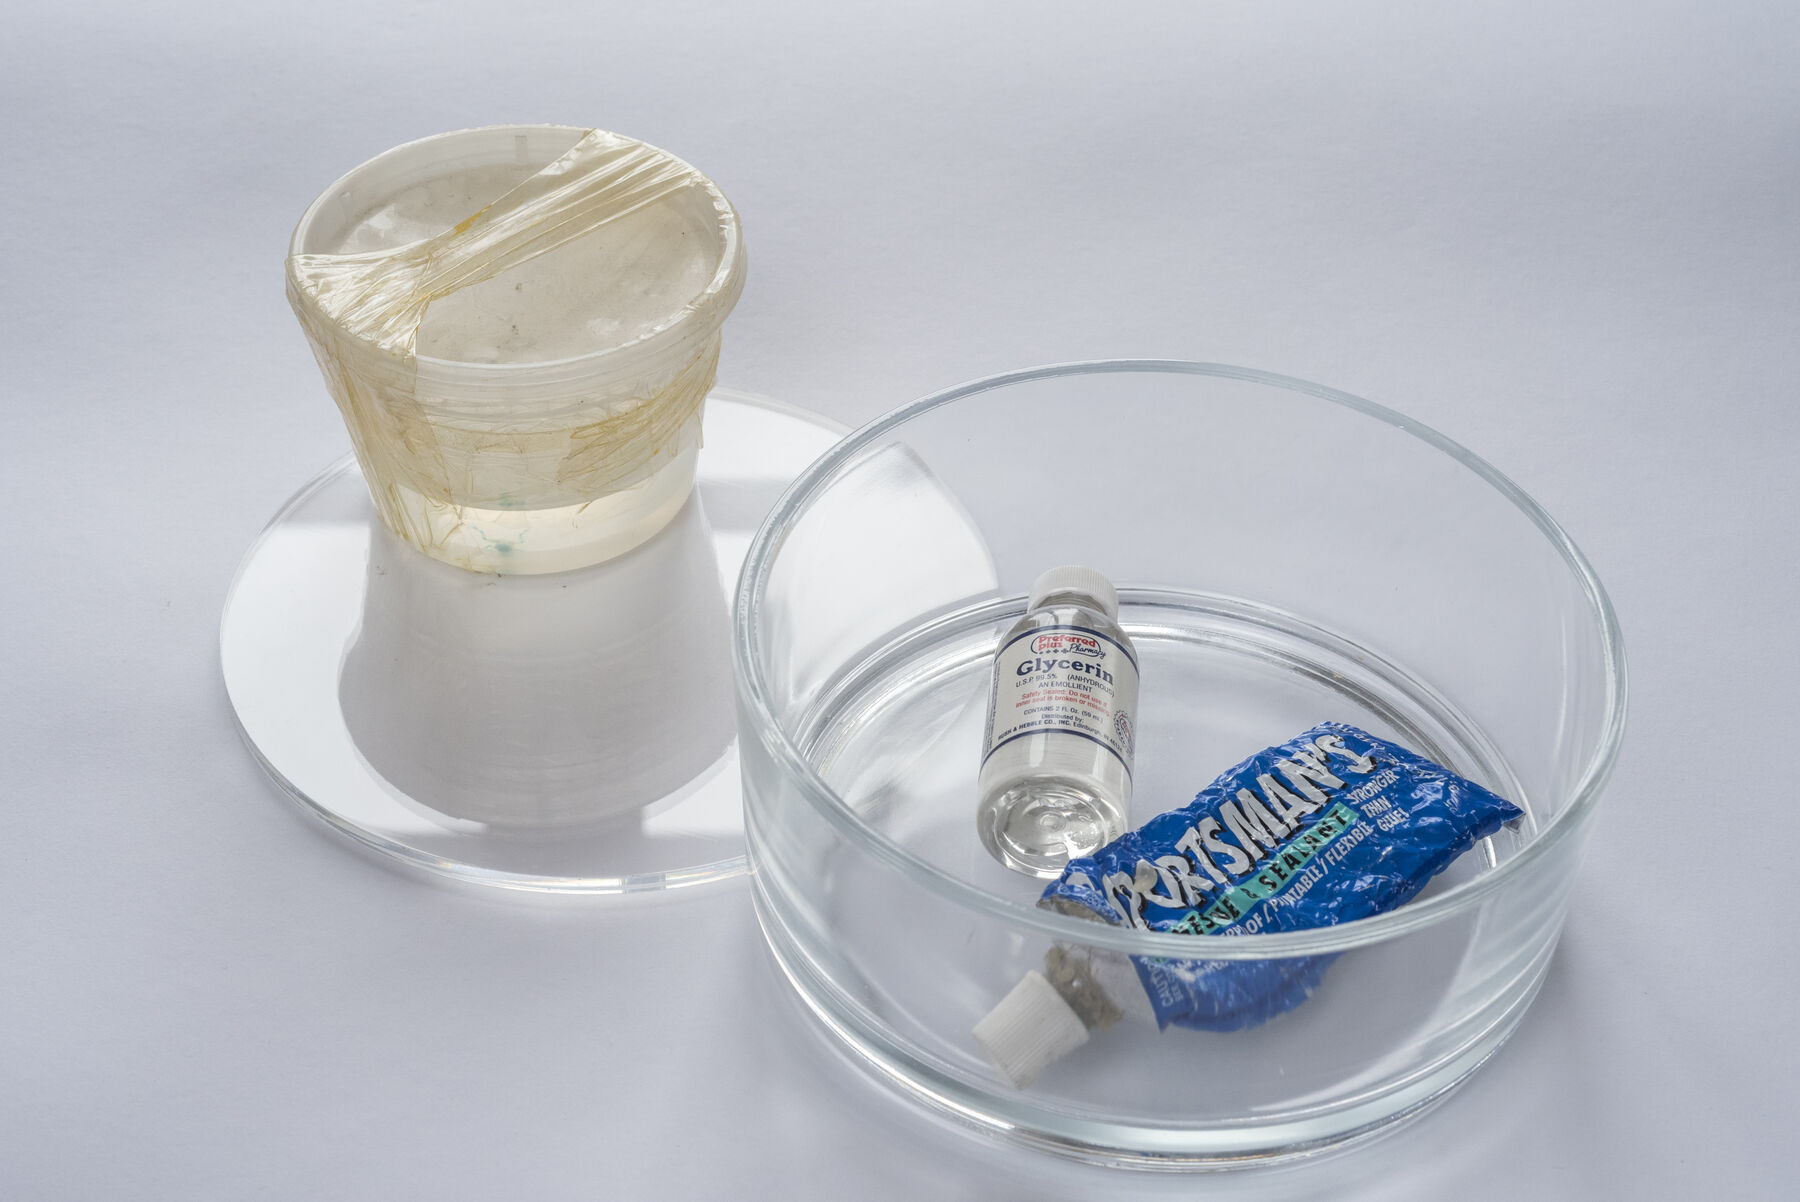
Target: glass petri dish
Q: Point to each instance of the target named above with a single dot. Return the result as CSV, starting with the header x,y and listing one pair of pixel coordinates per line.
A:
x,y
1287,554
566,733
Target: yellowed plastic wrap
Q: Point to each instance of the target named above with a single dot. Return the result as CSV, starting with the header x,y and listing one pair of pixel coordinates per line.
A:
x,y
527,453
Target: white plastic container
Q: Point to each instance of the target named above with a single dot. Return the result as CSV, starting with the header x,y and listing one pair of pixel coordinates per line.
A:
x,y
545,415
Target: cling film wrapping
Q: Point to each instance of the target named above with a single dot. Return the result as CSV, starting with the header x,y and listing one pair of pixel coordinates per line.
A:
x,y
563,445
1331,826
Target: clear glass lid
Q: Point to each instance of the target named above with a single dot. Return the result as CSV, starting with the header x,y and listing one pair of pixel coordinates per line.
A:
x,y
565,733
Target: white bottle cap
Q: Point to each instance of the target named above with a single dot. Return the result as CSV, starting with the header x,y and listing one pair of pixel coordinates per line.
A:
x,y
1073,579
1030,1028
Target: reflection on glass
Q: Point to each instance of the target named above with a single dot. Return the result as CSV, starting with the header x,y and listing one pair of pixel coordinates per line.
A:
x,y
543,703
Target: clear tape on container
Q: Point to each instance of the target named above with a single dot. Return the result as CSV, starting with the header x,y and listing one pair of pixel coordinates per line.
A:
x,y
555,443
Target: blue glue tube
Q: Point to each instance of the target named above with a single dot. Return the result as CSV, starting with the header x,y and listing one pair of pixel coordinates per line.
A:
x,y
1329,827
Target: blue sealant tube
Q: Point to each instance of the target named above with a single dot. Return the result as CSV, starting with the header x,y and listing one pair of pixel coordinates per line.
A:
x,y
1331,826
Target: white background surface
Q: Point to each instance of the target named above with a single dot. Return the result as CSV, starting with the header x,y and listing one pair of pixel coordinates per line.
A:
x,y
1564,234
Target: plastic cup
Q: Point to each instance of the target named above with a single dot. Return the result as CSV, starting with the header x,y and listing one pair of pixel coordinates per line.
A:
x,y
497,445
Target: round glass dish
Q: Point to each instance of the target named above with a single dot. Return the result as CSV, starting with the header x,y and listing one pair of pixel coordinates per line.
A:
x,y
1287,554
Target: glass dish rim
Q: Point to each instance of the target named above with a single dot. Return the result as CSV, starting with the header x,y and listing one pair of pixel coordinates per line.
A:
x,y
727,280
752,687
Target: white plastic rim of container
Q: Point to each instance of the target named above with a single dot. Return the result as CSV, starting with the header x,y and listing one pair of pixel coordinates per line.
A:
x,y
494,446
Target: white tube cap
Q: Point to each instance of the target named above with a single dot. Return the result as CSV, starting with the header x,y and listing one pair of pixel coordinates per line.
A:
x,y
1074,579
1030,1029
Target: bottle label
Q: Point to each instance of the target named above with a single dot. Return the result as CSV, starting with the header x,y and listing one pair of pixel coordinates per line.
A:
x,y
1064,680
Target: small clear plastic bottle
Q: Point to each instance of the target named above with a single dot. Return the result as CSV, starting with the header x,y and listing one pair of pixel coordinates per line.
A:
x,y
1056,764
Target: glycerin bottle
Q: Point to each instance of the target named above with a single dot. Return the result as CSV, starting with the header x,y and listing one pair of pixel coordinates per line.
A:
x,y
1055,779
